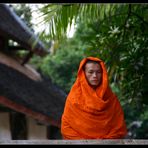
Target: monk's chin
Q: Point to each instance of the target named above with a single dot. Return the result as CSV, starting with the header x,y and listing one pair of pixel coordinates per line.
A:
x,y
94,85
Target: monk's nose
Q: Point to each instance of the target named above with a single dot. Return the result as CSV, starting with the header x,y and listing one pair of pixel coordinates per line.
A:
x,y
94,74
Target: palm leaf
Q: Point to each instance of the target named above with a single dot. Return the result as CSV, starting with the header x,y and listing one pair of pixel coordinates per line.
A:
x,y
60,16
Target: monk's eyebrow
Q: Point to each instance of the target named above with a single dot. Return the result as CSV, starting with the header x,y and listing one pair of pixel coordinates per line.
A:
x,y
91,70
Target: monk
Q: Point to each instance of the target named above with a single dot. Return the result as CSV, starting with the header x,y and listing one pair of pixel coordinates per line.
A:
x,y
92,110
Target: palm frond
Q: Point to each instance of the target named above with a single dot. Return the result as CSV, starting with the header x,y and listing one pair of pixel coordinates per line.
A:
x,y
60,16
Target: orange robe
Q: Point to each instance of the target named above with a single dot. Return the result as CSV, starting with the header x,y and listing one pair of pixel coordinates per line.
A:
x,y
92,114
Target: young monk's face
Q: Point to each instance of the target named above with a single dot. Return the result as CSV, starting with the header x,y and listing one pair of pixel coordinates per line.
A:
x,y
93,73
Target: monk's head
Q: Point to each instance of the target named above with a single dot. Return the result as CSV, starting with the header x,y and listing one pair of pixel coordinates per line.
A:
x,y
93,73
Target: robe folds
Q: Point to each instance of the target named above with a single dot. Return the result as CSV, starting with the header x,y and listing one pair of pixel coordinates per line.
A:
x,y
92,114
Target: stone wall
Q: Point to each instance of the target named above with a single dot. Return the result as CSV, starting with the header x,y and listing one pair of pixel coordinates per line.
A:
x,y
76,142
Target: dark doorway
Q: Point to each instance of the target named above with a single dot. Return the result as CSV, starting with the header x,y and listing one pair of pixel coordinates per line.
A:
x,y
18,126
53,132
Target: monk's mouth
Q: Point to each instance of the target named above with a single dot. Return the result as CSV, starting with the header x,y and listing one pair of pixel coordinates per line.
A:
x,y
95,80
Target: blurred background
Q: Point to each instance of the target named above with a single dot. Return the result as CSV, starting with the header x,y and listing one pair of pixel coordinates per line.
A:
x,y
116,33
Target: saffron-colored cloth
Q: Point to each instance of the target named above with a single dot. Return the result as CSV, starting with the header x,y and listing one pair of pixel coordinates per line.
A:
x,y
92,114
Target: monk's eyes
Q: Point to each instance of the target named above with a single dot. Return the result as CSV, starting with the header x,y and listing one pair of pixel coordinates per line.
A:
x,y
91,72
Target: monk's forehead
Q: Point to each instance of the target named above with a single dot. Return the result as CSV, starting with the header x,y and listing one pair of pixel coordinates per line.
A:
x,y
92,64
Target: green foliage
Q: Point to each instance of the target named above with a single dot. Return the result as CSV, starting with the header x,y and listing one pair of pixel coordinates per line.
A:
x,y
63,65
59,17
123,47
143,129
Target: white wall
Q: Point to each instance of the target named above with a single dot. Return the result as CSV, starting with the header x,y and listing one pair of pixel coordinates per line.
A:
x,y
5,133
36,131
